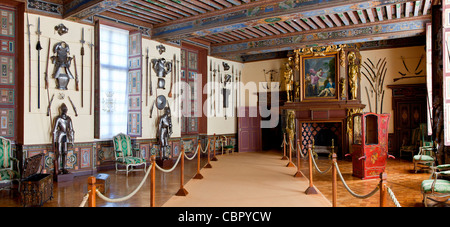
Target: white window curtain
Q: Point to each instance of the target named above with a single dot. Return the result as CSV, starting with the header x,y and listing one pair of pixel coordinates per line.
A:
x,y
113,81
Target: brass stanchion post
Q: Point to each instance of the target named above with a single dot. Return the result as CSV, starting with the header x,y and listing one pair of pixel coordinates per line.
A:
x,y
198,175
152,181
290,164
284,147
298,173
334,181
383,189
92,192
182,191
214,158
311,189
208,165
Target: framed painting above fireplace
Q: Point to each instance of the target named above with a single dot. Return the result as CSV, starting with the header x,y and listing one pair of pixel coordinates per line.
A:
x,y
319,75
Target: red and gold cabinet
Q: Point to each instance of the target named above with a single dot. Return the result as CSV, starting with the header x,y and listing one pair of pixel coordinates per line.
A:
x,y
370,144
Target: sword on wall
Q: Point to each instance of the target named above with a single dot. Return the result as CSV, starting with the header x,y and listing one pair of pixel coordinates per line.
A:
x,y
76,74
39,48
73,106
82,55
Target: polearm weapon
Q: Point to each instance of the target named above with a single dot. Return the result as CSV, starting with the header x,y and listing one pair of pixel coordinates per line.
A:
x,y
29,64
146,81
49,107
82,55
150,79
210,86
39,48
46,83
91,46
46,67
76,74
171,78
178,91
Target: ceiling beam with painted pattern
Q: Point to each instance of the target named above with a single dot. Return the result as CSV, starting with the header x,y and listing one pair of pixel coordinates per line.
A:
x,y
247,15
398,28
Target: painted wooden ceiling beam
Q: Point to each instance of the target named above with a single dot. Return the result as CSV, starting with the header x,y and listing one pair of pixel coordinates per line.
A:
x,y
405,27
253,13
79,10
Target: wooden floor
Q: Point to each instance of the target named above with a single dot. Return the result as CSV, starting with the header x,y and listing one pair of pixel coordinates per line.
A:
x,y
403,182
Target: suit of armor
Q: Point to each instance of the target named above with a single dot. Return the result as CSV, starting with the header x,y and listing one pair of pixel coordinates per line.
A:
x,y
164,132
63,133
61,72
162,68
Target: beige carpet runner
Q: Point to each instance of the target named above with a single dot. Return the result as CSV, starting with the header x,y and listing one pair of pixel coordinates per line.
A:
x,y
250,179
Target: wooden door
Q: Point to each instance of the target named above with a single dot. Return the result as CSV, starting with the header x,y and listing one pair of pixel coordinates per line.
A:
x,y
249,130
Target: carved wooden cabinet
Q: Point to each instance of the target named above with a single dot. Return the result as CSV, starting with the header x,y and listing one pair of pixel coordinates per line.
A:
x,y
410,109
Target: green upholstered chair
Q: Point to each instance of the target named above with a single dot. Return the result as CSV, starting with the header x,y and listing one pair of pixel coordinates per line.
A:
x,y
438,186
7,172
226,145
126,154
413,145
425,158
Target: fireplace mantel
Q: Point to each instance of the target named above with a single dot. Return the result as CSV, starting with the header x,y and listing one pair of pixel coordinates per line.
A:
x,y
324,112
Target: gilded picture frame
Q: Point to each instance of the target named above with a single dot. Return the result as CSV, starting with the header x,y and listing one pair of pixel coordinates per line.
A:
x,y
319,76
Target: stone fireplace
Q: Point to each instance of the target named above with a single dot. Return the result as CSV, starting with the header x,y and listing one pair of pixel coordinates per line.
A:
x,y
323,134
323,122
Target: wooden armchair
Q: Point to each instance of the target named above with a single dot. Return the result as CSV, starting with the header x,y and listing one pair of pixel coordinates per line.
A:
x,y
413,145
438,186
425,158
124,154
7,172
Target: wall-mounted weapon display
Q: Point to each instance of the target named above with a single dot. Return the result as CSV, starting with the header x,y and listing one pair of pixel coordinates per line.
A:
x,y
82,64
272,78
39,48
408,73
61,29
61,71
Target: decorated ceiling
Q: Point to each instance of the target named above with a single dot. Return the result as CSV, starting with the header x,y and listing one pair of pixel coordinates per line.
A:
x,y
234,29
